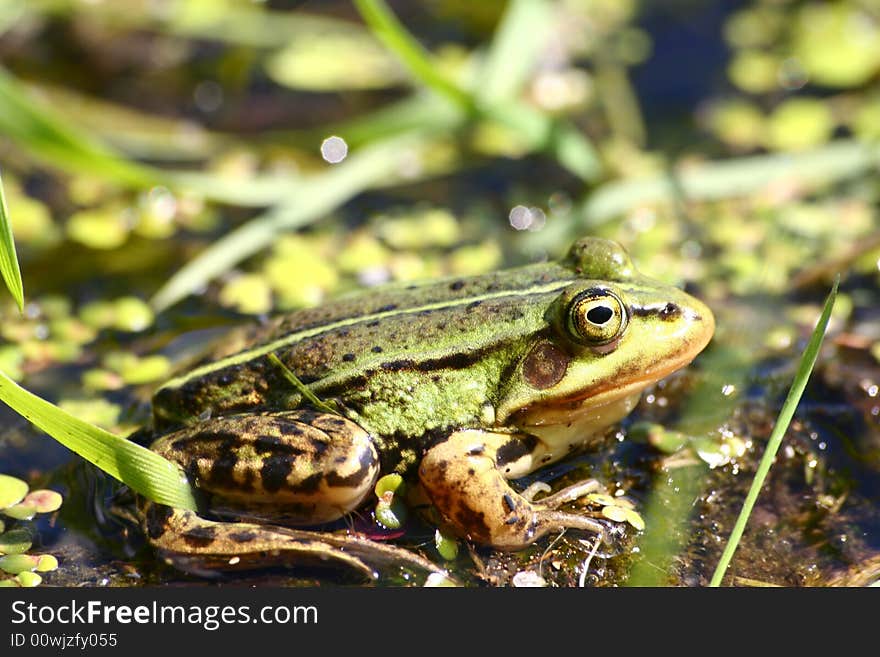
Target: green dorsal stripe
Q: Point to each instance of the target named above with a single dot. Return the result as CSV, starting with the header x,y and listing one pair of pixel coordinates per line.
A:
x,y
292,338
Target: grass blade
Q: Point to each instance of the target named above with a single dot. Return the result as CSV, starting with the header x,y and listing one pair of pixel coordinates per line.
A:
x,y
424,112
48,137
387,29
808,360
838,160
8,258
516,45
144,471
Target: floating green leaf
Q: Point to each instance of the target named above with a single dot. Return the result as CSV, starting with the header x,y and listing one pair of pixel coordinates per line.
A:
x,y
44,501
18,563
20,511
144,471
27,579
15,541
46,563
447,546
12,490
332,62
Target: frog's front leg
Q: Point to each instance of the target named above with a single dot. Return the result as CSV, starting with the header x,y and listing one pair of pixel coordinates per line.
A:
x,y
465,477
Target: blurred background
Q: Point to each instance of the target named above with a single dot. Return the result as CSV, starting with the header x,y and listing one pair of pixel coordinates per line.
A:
x,y
175,167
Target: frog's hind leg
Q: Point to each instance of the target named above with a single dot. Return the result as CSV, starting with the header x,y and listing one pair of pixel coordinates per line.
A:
x,y
200,546
206,547
296,467
465,477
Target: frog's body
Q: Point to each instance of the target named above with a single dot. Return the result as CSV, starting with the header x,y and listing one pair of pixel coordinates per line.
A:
x,y
474,380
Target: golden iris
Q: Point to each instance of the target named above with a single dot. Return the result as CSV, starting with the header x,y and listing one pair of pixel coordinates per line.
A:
x,y
596,316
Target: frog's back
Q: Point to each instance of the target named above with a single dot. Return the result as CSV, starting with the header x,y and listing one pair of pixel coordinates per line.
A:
x,y
397,327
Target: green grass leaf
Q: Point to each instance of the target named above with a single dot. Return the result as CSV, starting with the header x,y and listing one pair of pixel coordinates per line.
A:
x,y
47,135
8,258
387,29
838,160
808,360
142,470
516,45
37,128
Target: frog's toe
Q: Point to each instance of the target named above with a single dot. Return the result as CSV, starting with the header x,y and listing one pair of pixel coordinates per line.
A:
x,y
566,495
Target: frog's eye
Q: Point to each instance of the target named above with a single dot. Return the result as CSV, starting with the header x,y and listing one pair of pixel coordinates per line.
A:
x,y
596,317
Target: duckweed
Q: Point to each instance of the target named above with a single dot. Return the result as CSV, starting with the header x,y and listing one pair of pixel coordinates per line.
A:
x,y
124,314
18,505
447,546
134,369
12,490
102,228
799,123
100,412
390,511
247,293
617,509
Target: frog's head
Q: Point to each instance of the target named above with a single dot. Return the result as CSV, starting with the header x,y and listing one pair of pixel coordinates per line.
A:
x,y
611,333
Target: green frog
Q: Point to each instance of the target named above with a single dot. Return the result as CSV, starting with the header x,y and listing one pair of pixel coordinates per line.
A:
x,y
463,383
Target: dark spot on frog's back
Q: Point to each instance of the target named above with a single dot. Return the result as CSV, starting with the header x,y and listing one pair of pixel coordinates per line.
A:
x,y
309,484
387,309
223,470
156,519
275,470
455,286
474,522
243,536
199,537
276,445
366,463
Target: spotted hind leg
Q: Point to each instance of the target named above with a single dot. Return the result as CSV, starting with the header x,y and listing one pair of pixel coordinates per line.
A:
x,y
287,468
293,467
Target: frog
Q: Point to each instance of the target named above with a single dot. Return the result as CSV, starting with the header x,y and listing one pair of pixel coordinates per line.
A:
x,y
462,384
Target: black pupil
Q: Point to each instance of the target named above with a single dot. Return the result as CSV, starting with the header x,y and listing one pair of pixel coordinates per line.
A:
x,y
599,314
